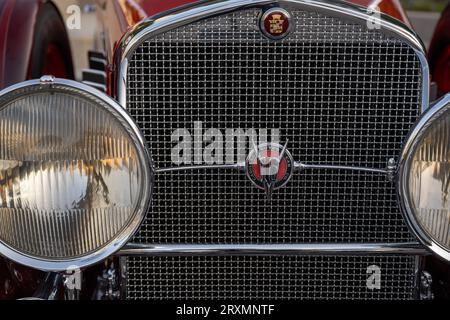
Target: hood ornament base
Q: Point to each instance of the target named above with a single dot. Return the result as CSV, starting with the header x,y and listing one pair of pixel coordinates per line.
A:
x,y
269,166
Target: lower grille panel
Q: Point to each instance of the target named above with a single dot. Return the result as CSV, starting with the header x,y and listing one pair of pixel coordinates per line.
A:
x,y
272,278
319,206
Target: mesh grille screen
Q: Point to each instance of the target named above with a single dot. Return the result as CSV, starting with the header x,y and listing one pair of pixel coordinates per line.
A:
x,y
270,278
340,93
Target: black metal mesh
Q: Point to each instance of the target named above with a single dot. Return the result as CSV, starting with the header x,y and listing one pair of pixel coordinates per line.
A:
x,y
340,93
271,278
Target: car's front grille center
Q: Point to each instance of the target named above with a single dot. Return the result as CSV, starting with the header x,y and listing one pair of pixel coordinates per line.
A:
x,y
339,92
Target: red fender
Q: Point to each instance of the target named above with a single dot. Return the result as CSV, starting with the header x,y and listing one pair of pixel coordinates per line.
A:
x,y
17,19
17,24
439,53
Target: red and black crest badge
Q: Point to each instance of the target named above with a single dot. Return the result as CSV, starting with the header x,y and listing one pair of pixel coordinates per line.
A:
x,y
276,23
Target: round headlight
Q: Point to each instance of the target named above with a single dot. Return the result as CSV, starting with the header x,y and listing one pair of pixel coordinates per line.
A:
x,y
424,179
75,176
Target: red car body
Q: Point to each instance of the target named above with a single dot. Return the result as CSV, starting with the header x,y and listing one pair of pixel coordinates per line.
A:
x,y
439,53
16,39
17,34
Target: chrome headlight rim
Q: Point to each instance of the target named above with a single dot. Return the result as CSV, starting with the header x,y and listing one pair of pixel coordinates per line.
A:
x,y
413,142
136,137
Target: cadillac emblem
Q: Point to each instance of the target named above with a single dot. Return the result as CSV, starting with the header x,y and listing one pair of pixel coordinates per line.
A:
x,y
276,23
269,167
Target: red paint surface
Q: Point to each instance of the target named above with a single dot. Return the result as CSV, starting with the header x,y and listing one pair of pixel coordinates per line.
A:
x,y
5,18
152,7
281,171
442,71
439,54
16,39
17,19
54,62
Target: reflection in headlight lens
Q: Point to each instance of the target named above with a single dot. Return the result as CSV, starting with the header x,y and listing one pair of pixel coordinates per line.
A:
x,y
429,181
71,178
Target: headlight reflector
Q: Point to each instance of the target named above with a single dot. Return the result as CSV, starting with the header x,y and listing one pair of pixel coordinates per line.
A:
x,y
74,175
425,179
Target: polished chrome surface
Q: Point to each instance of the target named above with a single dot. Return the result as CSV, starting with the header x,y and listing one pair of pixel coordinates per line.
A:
x,y
439,109
50,287
137,139
237,166
302,166
426,286
108,282
60,175
373,216
275,249
72,283
270,278
390,170
343,96
47,80
298,167
154,26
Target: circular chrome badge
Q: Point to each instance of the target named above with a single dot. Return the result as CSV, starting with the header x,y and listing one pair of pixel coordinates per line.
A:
x,y
270,166
276,23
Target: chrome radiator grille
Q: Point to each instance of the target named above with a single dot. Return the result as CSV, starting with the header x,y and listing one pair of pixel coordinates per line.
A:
x,y
340,93
268,278
207,206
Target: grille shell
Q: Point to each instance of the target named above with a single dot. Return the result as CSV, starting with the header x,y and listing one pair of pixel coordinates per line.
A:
x,y
340,93
268,278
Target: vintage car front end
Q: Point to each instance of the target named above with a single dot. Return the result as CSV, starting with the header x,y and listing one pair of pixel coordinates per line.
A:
x,y
254,150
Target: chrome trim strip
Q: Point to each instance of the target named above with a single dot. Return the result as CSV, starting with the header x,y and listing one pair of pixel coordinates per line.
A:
x,y
153,26
419,267
404,168
237,166
301,166
50,288
426,80
123,273
275,249
122,85
298,166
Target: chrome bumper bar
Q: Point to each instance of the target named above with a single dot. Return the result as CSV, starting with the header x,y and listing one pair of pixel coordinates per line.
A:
x,y
411,248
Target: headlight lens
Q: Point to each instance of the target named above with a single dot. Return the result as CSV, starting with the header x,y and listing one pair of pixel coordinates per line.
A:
x,y
74,175
425,178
